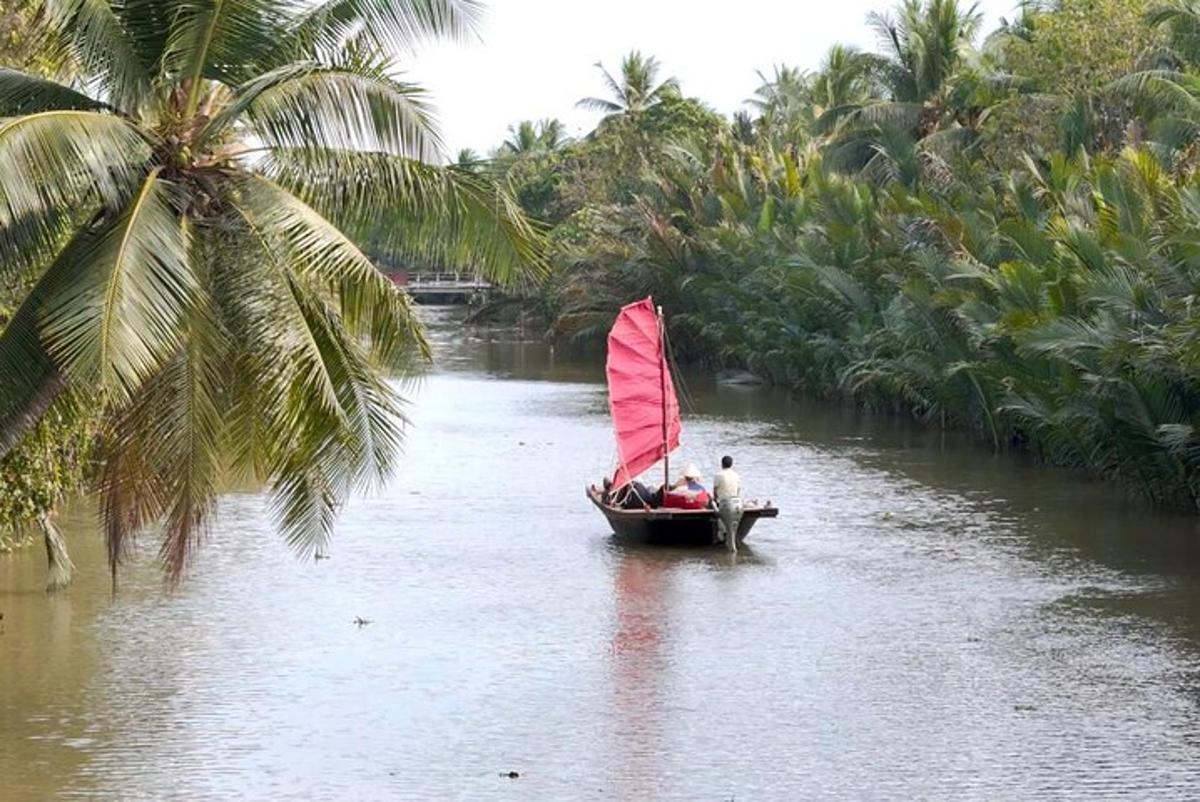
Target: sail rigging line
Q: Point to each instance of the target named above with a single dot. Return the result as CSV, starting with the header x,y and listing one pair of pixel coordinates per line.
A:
x,y
663,367
686,400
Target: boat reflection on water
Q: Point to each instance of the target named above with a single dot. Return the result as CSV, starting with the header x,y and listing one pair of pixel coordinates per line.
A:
x,y
640,667
646,681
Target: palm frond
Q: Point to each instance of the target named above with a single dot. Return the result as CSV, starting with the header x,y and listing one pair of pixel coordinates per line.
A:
x,y
121,316
162,453
1067,338
245,95
21,93
29,243
1162,91
831,118
894,115
101,43
394,26
220,40
667,88
131,489
331,423
372,422
598,104
345,109
369,303
194,448
65,158
169,441
947,142
408,209
615,87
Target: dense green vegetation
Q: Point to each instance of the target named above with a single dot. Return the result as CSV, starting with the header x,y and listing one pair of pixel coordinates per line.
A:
x,y
53,461
184,185
999,234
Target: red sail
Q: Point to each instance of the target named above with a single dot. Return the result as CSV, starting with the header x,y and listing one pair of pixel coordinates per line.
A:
x,y
641,394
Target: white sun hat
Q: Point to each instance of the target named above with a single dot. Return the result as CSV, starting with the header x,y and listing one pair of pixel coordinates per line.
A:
x,y
692,472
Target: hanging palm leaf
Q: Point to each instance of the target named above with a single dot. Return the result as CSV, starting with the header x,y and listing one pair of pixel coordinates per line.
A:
x,y
186,218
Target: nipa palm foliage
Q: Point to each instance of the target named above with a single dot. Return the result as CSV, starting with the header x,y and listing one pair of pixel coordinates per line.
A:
x,y
185,216
1048,308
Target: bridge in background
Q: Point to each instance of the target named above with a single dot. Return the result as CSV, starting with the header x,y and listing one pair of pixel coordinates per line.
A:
x,y
441,288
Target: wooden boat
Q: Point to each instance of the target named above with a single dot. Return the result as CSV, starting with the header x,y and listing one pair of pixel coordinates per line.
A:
x,y
645,411
670,527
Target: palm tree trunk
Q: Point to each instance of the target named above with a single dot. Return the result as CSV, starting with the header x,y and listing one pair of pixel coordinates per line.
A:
x,y
18,423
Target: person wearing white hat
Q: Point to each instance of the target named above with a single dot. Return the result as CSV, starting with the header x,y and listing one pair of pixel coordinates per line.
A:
x,y
687,493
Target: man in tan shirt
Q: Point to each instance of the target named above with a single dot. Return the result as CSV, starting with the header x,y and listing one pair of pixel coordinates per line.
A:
x,y
727,493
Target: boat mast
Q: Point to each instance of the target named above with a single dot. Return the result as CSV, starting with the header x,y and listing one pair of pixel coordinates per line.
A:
x,y
662,373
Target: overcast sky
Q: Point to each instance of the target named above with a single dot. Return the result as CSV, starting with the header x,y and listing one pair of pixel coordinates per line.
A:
x,y
537,57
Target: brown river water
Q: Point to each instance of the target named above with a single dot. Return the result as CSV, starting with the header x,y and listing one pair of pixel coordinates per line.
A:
x,y
925,621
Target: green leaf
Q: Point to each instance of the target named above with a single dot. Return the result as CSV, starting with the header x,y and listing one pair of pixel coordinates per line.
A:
x,y
104,49
345,108
121,316
21,93
58,159
394,26
370,304
412,210
220,40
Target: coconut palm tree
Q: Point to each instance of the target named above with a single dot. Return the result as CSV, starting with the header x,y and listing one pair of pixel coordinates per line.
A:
x,y
788,89
924,45
784,105
1167,94
637,90
844,82
926,88
534,137
795,105
186,216
468,160
522,138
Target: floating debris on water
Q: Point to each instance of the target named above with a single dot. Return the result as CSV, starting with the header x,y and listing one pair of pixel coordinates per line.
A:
x,y
739,378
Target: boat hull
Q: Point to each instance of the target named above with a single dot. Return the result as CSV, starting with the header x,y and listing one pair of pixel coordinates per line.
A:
x,y
667,527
